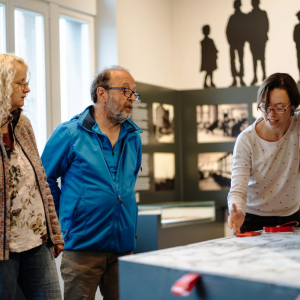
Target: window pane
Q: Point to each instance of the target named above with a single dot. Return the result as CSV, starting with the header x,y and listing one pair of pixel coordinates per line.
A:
x,y
2,29
30,45
75,64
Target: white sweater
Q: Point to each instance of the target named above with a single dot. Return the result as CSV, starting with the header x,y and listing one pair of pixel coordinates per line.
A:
x,y
265,175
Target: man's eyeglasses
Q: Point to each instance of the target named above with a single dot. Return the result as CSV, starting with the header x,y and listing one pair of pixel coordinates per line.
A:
x,y
277,110
127,92
22,85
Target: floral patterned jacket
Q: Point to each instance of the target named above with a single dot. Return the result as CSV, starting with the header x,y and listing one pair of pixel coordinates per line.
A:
x,y
23,134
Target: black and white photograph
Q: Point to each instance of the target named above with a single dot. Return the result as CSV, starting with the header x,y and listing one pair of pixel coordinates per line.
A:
x,y
164,171
163,122
214,171
220,123
256,113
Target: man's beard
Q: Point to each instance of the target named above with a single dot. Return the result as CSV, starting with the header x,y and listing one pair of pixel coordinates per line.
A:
x,y
114,115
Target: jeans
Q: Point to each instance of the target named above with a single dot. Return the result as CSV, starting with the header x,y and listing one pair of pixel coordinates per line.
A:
x,y
254,222
84,271
35,272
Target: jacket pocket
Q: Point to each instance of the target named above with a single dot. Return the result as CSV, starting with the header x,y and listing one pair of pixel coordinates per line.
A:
x,y
78,223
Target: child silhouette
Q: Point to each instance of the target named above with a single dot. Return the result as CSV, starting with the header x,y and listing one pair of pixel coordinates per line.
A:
x,y
208,56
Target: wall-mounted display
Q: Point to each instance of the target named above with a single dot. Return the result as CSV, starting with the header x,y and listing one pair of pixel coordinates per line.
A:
x,y
214,171
163,116
164,171
220,123
141,119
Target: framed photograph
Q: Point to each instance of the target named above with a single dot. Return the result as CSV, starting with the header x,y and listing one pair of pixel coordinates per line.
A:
x,y
221,122
164,171
163,122
214,171
256,113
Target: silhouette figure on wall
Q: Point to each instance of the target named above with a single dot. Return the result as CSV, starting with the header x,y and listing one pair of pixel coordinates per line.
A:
x,y
258,27
208,56
236,35
297,41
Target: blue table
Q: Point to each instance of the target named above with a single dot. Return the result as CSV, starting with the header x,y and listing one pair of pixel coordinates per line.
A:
x,y
262,267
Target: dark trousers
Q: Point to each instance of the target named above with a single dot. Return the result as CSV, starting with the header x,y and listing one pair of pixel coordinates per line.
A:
x,y
34,270
254,222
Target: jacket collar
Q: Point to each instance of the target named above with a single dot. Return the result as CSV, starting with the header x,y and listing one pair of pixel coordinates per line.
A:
x,y
87,120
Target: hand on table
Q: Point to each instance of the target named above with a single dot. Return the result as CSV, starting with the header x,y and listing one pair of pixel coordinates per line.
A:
x,y
236,219
57,249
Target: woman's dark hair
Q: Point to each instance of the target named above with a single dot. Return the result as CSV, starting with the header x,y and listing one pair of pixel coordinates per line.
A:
x,y
278,81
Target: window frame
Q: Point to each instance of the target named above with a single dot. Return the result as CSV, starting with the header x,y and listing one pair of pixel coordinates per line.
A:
x,y
51,12
90,21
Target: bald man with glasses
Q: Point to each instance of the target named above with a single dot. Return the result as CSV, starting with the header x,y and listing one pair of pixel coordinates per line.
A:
x,y
97,156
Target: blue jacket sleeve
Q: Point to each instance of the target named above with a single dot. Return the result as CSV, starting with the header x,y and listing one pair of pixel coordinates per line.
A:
x,y
56,159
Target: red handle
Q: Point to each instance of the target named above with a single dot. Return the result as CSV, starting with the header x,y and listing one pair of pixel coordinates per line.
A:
x,y
185,284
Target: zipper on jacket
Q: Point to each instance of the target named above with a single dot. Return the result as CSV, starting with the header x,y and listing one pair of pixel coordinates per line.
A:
x,y
120,200
67,233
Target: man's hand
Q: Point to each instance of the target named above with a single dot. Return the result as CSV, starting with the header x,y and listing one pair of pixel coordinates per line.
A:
x,y
57,249
236,219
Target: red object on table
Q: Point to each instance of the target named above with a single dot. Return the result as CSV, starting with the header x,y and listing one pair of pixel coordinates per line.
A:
x,y
185,284
248,233
282,228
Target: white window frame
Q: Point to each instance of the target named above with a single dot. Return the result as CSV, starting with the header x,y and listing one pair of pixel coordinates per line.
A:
x,y
51,12
90,21
6,21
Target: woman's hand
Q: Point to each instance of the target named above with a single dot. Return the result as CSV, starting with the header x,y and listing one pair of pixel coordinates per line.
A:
x,y
57,249
236,219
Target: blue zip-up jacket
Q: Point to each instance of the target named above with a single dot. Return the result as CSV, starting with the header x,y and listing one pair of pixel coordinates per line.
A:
x,y
96,213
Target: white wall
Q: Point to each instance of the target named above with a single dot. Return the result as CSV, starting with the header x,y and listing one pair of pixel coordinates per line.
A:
x,y
158,40
145,40
189,16
106,34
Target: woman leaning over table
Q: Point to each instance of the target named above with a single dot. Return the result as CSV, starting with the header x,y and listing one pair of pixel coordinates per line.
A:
x,y
265,186
30,235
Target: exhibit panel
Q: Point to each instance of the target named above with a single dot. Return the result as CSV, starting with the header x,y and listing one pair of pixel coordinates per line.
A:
x,y
211,121
158,115
260,267
185,131
168,225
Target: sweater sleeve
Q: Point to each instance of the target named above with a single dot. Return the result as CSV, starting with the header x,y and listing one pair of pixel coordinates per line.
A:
x,y
241,169
55,232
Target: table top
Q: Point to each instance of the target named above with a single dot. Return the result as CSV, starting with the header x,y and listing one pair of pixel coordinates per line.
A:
x,y
270,257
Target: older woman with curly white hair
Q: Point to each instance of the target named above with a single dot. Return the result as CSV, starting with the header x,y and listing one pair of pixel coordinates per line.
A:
x,y
30,235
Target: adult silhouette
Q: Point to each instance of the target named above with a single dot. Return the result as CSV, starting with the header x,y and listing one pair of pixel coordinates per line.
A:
x,y
297,41
236,36
208,56
258,27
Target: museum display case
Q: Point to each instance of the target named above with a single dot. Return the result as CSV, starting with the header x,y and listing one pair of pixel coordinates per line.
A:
x,y
181,213
165,225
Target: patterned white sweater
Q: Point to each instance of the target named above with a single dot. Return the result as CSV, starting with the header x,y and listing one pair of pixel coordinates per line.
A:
x,y
265,175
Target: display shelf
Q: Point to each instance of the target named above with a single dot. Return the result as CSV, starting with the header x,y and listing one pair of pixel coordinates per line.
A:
x,y
181,213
